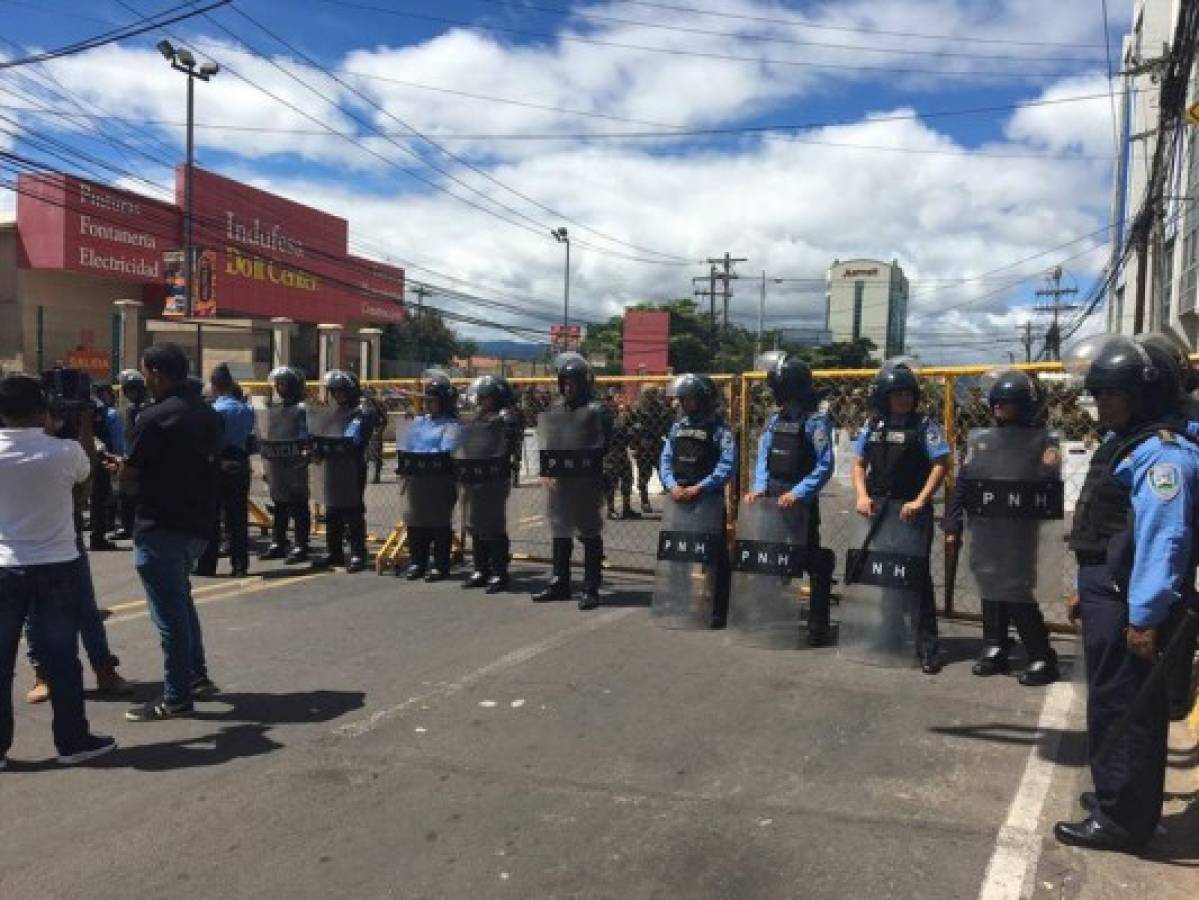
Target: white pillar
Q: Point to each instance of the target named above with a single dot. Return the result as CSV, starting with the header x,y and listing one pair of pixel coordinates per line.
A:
x,y
281,331
128,354
329,347
370,342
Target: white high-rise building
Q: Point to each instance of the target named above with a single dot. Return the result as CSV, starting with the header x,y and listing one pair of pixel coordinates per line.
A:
x,y
868,299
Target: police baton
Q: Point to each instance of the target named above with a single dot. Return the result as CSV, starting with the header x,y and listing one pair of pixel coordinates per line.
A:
x,y
1180,639
853,572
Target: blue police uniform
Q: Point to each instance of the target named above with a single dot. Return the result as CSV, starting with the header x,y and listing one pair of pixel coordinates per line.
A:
x,y
1132,574
233,487
899,453
702,452
108,430
795,455
432,434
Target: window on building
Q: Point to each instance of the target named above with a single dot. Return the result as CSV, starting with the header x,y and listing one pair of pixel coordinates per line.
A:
x,y
859,288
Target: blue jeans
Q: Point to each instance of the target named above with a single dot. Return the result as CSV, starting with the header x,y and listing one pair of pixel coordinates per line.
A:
x,y
46,596
91,626
164,560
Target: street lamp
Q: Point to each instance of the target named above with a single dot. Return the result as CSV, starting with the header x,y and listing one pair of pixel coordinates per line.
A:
x,y
183,61
559,234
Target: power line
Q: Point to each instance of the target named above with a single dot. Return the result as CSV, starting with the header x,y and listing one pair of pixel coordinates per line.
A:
x,y
859,29
698,54
146,23
774,39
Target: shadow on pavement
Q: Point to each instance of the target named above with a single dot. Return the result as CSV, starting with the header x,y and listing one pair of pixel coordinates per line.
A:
x,y
1072,751
1179,845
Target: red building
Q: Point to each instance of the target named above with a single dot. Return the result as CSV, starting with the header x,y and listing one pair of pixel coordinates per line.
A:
x,y
77,247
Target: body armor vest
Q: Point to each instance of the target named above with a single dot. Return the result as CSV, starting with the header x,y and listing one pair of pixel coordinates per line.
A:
x,y
792,454
1104,505
896,459
694,453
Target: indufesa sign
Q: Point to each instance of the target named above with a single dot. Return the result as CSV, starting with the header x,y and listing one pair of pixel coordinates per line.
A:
x,y
270,256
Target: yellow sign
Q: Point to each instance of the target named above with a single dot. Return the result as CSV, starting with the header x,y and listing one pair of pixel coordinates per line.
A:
x,y
1193,114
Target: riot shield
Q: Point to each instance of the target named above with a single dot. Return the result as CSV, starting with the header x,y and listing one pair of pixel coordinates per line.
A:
x,y
427,482
685,580
769,556
886,570
1014,502
482,466
337,472
283,445
571,445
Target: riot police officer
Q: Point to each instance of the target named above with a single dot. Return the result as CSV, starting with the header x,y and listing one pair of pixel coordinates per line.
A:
x,y
431,489
795,462
133,391
488,441
901,459
574,434
345,475
1133,537
109,431
286,431
699,457
1015,402
233,475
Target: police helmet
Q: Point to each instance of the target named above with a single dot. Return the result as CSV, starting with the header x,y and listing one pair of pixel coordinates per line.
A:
x,y
339,380
894,376
288,381
1014,386
494,386
698,387
790,380
571,366
131,380
1147,372
1188,377
436,385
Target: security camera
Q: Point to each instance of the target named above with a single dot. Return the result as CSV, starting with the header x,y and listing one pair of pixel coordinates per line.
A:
x,y
186,59
209,69
167,49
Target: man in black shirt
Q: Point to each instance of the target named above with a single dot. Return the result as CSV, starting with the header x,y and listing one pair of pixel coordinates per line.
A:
x,y
172,471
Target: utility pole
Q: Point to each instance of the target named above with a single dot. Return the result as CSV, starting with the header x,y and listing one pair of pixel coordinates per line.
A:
x,y
1026,339
1055,291
422,291
727,276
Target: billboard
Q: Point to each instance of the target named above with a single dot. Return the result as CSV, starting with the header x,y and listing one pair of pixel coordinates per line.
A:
x,y
565,337
646,340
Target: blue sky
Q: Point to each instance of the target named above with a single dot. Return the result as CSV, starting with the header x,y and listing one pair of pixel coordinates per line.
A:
x,y
952,197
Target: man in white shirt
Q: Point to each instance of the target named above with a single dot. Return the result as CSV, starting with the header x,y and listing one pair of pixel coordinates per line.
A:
x,y
39,571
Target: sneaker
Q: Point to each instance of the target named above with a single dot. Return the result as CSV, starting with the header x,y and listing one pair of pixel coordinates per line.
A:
x,y
159,711
204,689
94,745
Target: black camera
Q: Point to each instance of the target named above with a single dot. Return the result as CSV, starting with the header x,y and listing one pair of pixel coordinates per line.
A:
x,y
70,394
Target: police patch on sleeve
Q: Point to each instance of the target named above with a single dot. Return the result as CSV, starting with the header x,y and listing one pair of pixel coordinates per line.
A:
x,y
820,438
728,442
1165,480
933,434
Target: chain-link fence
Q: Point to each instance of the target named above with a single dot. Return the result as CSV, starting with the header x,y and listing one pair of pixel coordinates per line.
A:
x,y
642,415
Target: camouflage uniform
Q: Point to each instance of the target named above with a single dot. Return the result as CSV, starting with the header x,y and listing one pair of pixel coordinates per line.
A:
x,y
618,468
649,423
372,405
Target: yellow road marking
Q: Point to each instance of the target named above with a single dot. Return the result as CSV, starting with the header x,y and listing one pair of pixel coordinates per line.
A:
x,y
206,589
239,589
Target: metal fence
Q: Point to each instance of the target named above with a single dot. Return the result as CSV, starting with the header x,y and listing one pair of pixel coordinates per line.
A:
x,y
643,415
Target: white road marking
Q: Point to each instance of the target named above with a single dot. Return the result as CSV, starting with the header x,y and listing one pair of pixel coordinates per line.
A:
x,y
508,661
1010,873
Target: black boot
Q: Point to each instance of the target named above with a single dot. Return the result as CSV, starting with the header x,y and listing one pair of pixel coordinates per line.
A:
x,y
418,552
821,580
335,528
559,586
482,573
356,527
278,545
593,567
993,661
442,541
1041,672
499,552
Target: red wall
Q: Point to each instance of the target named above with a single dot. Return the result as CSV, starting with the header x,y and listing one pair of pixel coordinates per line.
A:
x,y
274,257
646,342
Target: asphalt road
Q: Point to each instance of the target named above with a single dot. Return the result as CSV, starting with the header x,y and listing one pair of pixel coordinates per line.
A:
x,y
376,738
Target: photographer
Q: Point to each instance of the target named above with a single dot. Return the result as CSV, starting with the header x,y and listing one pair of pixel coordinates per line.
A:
x,y
40,572
172,470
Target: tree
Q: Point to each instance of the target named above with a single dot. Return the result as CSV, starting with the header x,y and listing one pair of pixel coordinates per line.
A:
x,y
842,355
421,340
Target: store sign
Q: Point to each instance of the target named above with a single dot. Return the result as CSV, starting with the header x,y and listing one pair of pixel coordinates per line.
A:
x,y
97,363
858,273
204,298
68,223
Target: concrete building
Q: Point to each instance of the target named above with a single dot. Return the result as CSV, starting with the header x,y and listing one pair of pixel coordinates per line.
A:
x,y
88,277
1172,265
868,299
